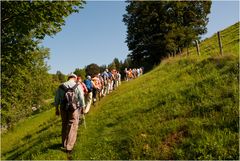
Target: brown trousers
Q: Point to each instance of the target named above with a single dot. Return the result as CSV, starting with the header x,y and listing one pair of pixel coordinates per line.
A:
x,y
69,128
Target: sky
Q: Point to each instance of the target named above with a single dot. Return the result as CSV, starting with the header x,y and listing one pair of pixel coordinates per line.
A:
x,y
97,34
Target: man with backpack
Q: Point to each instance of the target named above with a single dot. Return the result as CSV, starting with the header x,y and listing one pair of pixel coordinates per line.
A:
x,y
70,97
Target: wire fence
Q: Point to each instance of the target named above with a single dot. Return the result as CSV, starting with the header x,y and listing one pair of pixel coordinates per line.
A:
x,y
221,43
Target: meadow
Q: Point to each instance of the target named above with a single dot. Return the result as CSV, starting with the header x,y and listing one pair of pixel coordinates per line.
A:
x,y
185,108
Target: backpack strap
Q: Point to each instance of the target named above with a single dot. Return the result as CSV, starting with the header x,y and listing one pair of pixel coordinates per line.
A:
x,y
75,86
65,89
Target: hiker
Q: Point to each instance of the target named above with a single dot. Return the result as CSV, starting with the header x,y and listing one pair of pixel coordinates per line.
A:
x,y
130,74
85,91
82,85
69,110
110,81
126,74
96,87
113,80
118,78
88,96
138,72
105,82
101,85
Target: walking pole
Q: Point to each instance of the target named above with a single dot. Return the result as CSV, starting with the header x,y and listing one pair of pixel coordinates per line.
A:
x,y
84,121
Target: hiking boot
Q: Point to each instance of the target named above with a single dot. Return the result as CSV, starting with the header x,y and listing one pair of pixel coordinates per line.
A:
x,y
69,151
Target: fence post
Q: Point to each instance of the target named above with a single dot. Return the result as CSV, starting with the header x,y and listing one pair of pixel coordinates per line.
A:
x,y
197,45
220,43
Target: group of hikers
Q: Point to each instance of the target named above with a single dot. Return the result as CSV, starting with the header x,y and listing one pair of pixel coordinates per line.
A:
x,y
75,97
133,73
99,86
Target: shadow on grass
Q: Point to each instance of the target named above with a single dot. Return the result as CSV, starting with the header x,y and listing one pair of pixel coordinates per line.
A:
x,y
33,146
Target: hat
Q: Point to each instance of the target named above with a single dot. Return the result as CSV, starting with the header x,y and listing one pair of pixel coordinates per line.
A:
x,y
72,76
88,77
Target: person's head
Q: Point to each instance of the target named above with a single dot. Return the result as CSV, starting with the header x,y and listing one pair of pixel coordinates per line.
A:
x,y
72,77
79,79
88,77
106,70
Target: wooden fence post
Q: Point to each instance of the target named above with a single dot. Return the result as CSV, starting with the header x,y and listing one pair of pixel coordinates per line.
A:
x,y
197,45
220,43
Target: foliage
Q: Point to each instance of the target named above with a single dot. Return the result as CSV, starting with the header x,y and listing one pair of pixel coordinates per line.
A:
x,y
80,72
102,68
60,77
92,69
158,28
25,81
29,85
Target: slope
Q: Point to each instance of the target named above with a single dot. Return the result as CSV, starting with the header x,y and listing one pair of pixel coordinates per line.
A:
x,y
185,108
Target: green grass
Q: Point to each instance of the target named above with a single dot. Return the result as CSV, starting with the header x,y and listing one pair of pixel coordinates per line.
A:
x,y
230,42
185,108
37,137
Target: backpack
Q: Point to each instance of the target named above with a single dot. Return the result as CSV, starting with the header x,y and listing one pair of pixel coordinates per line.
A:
x,y
89,85
69,102
105,78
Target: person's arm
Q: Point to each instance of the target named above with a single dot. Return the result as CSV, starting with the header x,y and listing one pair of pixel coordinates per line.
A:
x,y
85,88
80,96
57,101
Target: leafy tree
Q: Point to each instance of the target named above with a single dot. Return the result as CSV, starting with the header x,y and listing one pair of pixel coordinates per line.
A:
x,y
80,72
92,69
158,28
24,80
30,87
117,63
61,77
112,66
102,68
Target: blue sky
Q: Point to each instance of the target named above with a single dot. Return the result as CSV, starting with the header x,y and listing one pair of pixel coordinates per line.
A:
x,y
97,34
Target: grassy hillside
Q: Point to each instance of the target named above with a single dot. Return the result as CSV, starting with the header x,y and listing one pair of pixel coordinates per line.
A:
x,y
37,137
186,108
230,41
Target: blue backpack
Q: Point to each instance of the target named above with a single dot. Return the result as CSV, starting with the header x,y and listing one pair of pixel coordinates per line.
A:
x,y
89,85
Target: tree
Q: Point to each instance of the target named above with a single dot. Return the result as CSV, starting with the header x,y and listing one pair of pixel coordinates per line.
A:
x,y
24,78
80,72
30,86
92,69
102,68
112,66
157,28
61,77
117,63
